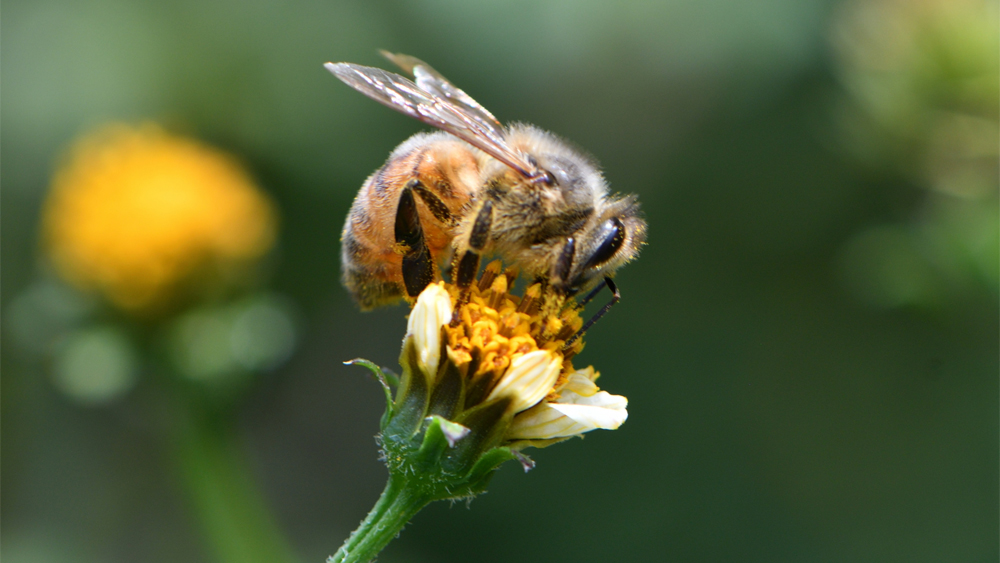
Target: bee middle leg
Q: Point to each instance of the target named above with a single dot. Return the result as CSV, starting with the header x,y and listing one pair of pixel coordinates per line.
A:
x,y
418,265
468,264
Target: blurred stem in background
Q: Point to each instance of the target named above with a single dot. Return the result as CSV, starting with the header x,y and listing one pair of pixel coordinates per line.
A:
x,y
213,470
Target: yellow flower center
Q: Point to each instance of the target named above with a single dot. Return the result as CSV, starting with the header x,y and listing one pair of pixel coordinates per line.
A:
x,y
492,327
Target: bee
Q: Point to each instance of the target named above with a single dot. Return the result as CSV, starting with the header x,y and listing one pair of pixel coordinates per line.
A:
x,y
444,200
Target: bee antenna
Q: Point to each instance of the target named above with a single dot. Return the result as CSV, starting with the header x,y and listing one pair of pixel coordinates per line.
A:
x,y
615,298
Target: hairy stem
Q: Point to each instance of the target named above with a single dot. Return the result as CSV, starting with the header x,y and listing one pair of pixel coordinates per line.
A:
x,y
397,505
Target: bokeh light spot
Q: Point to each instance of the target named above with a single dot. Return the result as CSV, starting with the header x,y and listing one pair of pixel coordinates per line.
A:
x,y
263,334
96,365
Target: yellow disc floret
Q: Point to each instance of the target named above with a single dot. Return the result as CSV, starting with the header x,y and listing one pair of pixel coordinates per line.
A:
x,y
492,327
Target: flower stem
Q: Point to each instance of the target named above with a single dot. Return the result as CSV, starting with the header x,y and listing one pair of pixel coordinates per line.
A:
x,y
234,518
397,505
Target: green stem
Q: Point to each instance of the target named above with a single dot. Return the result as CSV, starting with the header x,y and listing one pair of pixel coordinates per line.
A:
x,y
397,505
233,516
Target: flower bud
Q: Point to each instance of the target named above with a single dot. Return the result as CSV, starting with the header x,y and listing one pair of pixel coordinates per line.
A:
x,y
431,312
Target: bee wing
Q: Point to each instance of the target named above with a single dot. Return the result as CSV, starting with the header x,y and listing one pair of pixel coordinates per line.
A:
x,y
402,95
430,80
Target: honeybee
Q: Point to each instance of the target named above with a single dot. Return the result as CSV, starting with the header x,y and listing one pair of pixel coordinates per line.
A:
x,y
476,188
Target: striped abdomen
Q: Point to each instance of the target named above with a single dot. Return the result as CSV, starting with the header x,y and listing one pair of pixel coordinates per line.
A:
x,y
443,173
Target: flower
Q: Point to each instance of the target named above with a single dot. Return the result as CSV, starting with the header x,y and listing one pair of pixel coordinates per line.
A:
x,y
498,365
495,340
143,216
485,375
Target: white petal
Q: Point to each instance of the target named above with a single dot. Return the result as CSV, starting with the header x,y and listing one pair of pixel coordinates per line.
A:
x,y
600,399
587,372
580,385
608,417
543,422
432,311
529,378
573,414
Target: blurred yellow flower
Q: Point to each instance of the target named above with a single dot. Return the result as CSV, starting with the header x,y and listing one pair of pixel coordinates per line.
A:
x,y
143,216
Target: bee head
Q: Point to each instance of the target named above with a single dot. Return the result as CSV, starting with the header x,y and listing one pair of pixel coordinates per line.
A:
x,y
601,247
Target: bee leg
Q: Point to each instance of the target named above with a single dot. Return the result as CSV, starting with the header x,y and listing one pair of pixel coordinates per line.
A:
x,y
564,263
590,296
468,265
615,298
418,266
434,203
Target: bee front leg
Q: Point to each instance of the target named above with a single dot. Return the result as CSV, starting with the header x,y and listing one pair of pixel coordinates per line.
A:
x,y
593,293
616,296
418,266
563,265
468,264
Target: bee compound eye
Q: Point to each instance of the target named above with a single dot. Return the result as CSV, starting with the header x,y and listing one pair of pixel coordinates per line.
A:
x,y
612,238
543,176
540,175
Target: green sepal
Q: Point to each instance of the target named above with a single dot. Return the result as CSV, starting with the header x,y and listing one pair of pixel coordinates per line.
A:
x,y
487,464
412,396
488,424
381,377
440,435
449,391
391,376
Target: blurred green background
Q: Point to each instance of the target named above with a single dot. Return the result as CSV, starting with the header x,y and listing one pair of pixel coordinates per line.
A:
x,y
809,342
